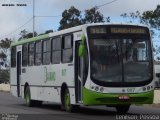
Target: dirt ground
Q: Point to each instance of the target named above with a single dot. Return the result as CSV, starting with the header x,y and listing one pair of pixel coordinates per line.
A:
x,y
5,87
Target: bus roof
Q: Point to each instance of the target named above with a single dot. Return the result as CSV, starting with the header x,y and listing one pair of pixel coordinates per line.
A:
x,y
23,41
65,31
45,36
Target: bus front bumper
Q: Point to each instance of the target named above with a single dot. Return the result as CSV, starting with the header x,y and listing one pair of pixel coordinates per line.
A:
x,y
95,98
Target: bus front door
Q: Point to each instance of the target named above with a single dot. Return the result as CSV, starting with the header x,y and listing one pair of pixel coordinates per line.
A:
x,y
78,74
18,73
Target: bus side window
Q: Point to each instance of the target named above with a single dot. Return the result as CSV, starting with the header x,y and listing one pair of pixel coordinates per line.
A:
x,y
31,54
38,53
13,57
67,52
25,55
46,52
56,50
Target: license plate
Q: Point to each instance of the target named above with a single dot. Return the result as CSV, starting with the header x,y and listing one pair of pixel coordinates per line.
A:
x,y
123,97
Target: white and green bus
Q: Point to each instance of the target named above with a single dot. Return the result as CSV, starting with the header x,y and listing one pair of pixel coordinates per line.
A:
x,y
92,64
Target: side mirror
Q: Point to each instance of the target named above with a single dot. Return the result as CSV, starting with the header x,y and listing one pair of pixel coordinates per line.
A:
x,y
81,50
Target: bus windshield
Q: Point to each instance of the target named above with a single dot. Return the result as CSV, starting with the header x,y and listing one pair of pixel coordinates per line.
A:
x,y
120,60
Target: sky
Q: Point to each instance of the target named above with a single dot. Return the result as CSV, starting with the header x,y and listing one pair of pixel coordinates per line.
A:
x,y
13,19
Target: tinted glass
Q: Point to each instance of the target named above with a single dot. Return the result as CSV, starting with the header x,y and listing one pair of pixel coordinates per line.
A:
x,y
25,55
13,57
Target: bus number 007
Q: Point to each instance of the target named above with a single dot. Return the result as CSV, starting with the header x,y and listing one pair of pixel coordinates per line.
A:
x,y
131,90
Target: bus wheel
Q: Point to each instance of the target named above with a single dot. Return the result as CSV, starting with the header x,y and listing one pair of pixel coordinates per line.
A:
x,y
28,100
122,109
66,102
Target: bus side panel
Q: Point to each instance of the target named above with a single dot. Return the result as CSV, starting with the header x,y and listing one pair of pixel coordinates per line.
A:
x,y
51,94
22,91
13,81
72,95
32,76
33,93
51,82
44,82
67,77
13,90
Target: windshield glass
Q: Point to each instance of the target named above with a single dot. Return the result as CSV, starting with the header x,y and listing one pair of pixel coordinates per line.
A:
x,y
117,60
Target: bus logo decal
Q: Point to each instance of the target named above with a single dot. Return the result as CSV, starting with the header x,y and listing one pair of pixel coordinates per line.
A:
x,y
50,76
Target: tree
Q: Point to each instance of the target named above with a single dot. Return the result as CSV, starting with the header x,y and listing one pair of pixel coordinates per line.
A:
x,y
150,18
4,54
70,18
4,76
93,16
132,17
4,59
48,31
25,34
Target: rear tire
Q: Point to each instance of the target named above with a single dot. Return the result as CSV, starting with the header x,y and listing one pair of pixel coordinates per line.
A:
x,y
27,97
29,101
122,109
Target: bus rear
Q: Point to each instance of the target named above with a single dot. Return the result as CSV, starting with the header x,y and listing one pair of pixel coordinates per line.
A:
x,y
120,66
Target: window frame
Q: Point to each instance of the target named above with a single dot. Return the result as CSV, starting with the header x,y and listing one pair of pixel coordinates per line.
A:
x,y
24,54
44,52
39,52
67,48
56,50
13,57
30,54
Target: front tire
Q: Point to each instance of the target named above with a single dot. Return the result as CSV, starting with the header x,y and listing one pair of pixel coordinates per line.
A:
x,y
66,102
122,109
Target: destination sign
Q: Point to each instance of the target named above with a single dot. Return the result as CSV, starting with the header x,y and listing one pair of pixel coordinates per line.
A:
x,y
98,30
127,30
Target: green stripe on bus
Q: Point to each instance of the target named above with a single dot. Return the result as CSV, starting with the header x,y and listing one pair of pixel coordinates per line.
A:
x,y
23,41
95,98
